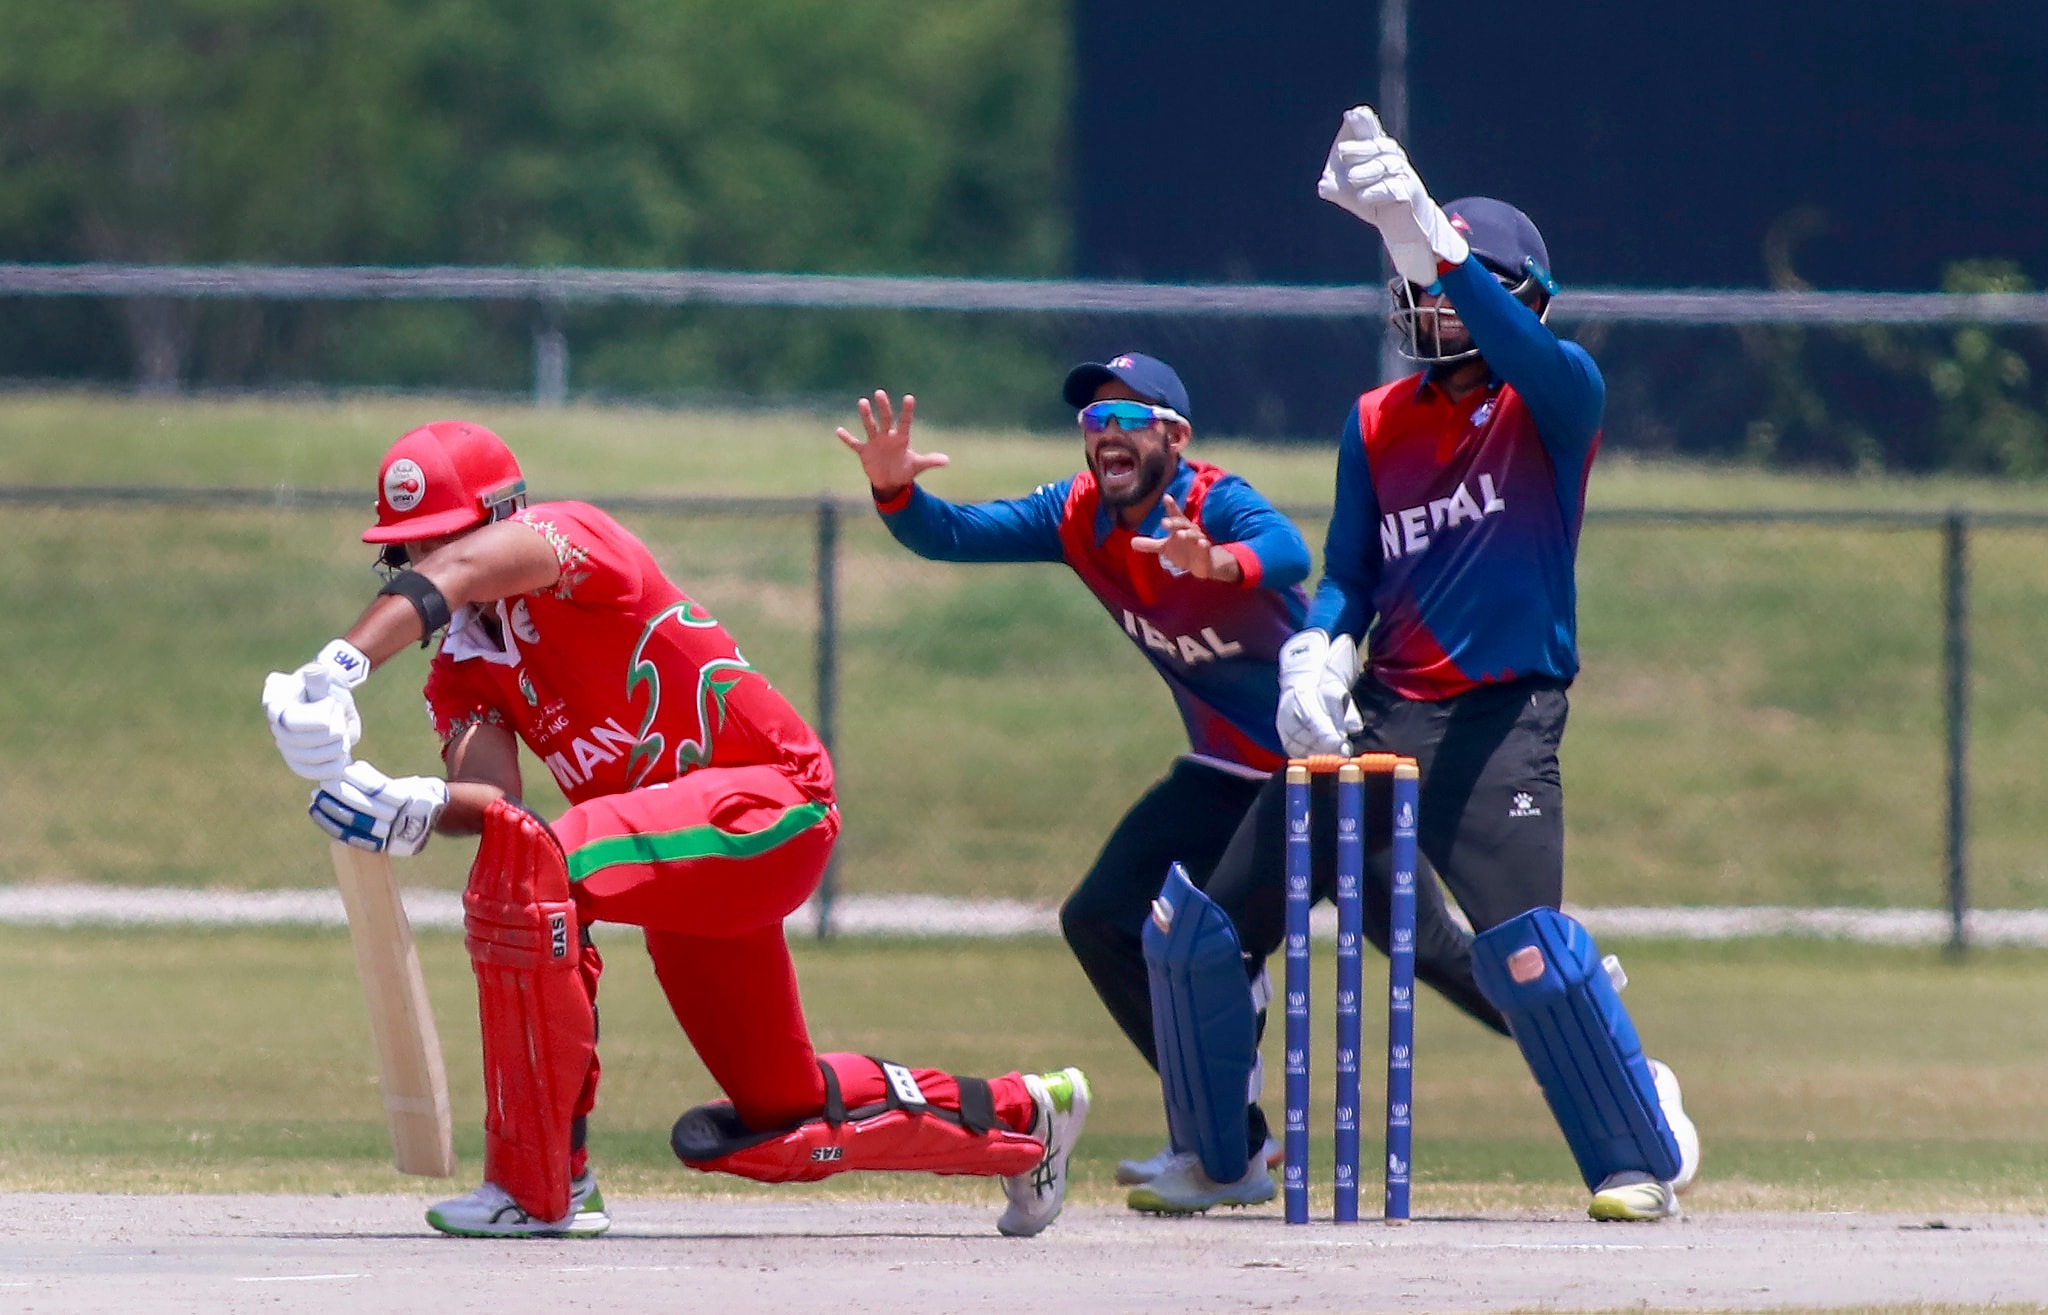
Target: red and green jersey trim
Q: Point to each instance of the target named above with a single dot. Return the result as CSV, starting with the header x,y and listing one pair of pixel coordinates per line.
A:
x,y
693,842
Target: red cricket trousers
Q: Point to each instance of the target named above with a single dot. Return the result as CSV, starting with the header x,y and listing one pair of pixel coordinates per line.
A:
x,y
708,866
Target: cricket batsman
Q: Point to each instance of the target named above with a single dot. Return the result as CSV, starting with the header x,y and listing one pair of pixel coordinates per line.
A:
x,y
701,811
1450,559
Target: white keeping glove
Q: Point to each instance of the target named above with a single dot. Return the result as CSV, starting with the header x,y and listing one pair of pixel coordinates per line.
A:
x,y
1340,672
1368,174
1316,714
313,715
365,808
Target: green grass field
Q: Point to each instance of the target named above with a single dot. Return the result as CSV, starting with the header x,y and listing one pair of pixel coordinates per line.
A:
x,y
1758,722
1759,719
1823,1078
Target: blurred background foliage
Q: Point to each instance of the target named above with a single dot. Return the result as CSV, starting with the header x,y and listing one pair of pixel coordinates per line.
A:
x,y
893,136
888,137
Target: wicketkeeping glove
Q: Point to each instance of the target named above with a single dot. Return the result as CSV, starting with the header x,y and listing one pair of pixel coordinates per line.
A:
x,y
1316,714
1368,174
313,715
365,808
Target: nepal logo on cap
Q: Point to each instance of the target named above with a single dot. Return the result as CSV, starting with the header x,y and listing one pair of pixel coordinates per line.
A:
x,y
404,484
1121,363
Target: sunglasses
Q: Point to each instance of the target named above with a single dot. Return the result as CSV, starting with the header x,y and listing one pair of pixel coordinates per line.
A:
x,y
1098,416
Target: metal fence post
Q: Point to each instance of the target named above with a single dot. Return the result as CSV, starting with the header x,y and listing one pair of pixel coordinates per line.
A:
x,y
1393,110
550,356
1955,661
828,674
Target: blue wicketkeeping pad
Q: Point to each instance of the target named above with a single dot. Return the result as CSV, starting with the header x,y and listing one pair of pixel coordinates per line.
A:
x,y
1580,1044
1205,1025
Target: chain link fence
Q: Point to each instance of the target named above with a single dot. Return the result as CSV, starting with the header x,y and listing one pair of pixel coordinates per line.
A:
x,y
1842,380
1813,706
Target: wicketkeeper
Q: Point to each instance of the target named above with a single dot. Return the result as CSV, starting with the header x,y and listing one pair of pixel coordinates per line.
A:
x,y
1450,559
702,811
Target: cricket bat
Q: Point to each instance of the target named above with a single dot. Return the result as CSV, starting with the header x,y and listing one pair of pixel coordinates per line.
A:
x,y
409,1066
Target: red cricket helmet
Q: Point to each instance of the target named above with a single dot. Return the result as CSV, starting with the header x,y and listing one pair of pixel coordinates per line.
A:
x,y
444,478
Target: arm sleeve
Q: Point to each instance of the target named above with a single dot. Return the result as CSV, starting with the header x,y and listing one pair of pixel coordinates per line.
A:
x,y
1267,546
1023,529
1557,379
1343,603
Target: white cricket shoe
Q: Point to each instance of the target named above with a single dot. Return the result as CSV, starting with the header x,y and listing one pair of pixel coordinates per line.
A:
x,y
1687,1136
490,1211
1633,1195
1036,1198
1184,1189
1129,1173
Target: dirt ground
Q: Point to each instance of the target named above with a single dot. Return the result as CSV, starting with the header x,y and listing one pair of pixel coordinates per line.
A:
x,y
335,1254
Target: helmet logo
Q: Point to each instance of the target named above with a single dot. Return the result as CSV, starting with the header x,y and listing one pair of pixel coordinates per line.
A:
x,y
1458,222
404,484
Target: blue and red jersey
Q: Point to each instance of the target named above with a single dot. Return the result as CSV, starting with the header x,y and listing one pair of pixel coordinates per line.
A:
x,y
1456,524
1216,645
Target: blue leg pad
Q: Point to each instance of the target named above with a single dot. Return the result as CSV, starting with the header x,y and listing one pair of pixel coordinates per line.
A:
x,y
1543,971
1203,1018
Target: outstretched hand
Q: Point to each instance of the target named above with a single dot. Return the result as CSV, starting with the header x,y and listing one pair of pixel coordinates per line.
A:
x,y
1184,546
886,455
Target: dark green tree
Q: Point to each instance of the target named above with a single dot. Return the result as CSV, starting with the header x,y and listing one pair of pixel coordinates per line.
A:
x,y
1991,386
802,135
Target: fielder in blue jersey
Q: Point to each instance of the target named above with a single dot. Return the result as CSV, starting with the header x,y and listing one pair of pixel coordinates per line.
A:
x,y
1205,577
1450,557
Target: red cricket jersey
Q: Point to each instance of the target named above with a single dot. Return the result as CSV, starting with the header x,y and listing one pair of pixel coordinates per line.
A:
x,y
613,676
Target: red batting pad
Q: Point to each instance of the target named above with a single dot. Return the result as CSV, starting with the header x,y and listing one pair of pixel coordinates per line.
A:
x,y
539,1027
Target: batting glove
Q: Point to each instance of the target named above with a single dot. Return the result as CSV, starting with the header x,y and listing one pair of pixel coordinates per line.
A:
x,y
392,815
1316,714
313,715
1368,174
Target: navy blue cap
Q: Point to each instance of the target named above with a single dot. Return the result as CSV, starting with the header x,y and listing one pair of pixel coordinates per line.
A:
x,y
1151,379
1502,237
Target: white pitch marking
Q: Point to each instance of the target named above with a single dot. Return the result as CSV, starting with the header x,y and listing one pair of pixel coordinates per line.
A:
x,y
295,1278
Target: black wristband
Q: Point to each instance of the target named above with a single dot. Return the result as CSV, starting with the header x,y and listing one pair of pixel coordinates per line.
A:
x,y
418,590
